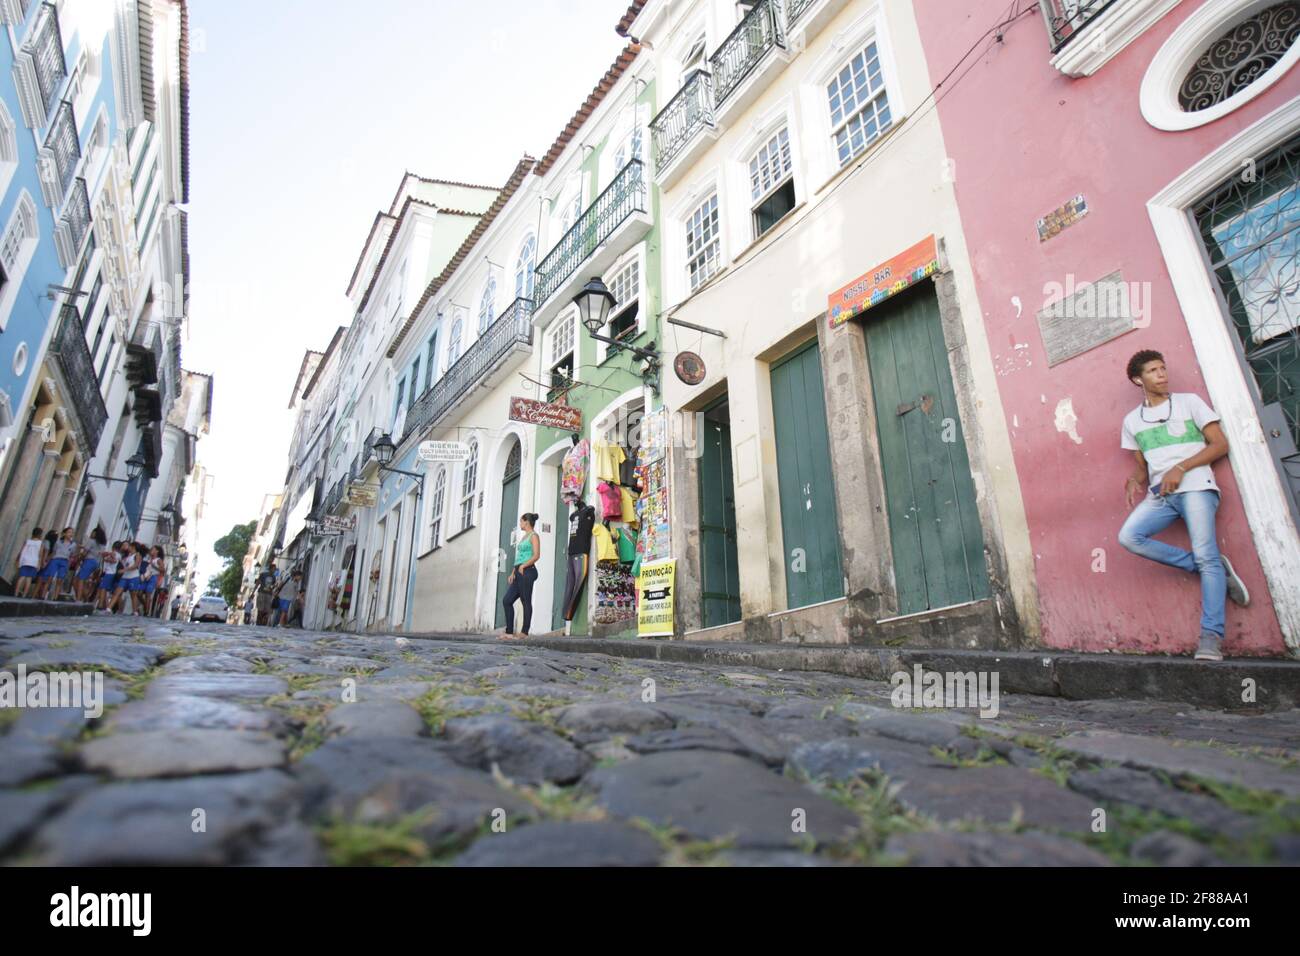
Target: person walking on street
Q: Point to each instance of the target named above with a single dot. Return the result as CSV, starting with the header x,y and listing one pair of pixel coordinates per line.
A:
x,y
91,554
30,560
266,582
522,577
1175,437
110,563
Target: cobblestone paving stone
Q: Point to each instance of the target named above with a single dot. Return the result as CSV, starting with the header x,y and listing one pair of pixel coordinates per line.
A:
x,y
243,745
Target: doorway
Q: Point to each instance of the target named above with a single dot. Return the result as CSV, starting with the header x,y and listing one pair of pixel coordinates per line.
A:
x,y
719,573
509,522
935,533
809,525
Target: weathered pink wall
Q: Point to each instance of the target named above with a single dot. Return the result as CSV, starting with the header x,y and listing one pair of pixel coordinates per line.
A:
x,y
1025,139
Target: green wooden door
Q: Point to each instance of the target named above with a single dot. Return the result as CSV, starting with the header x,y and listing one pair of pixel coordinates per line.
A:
x,y
807,489
719,576
561,555
938,546
509,522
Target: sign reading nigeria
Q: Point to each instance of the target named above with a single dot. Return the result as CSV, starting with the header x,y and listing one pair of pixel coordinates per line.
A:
x,y
532,412
443,451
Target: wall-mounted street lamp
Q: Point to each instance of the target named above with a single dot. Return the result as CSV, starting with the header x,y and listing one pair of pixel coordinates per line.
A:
x,y
134,469
594,302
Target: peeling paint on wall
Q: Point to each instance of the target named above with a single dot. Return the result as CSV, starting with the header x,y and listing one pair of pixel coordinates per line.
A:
x,y
1067,421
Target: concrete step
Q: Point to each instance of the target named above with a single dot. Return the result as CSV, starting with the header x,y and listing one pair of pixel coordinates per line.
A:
x,y
27,607
1242,683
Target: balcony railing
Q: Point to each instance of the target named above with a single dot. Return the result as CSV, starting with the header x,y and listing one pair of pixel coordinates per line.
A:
x,y
1065,18
79,375
761,30
623,197
73,225
368,447
690,111
63,146
794,9
45,46
513,327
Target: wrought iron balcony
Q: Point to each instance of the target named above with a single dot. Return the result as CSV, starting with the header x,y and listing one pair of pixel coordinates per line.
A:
x,y
79,375
760,31
1066,18
73,225
690,111
623,197
62,147
794,9
368,447
45,46
514,327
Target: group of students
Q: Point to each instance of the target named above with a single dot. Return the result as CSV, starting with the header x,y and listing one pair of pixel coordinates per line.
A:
x,y
99,574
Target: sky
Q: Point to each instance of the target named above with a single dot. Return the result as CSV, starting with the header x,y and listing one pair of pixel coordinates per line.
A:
x,y
304,114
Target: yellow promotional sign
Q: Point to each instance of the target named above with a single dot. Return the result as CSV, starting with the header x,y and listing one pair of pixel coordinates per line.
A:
x,y
655,607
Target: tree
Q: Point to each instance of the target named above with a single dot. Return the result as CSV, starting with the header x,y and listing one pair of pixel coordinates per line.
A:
x,y
232,546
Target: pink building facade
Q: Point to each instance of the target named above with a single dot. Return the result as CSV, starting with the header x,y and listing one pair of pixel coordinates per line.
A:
x,y
1153,145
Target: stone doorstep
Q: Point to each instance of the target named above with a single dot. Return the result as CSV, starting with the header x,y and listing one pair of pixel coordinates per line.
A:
x,y
27,607
1074,676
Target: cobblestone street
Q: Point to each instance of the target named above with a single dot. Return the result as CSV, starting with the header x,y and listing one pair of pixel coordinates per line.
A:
x,y
242,745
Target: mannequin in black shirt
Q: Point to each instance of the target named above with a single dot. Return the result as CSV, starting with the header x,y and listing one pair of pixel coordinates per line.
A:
x,y
582,519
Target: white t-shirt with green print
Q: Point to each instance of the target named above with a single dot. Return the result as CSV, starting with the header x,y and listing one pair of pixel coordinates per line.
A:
x,y
1166,443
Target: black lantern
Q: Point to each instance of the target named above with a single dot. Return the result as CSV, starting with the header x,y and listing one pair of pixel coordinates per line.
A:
x,y
594,302
134,466
385,449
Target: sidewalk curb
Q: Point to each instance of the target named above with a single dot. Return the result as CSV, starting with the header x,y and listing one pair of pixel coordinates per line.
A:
x,y
1220,686
27,607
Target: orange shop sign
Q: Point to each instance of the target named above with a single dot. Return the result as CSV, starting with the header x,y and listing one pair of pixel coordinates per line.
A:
x,y
878,284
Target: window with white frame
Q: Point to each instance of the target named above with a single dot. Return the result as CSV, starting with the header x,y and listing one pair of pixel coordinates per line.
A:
x,y
626,287
524,265
17,246
631,148
703,243
571,209
439,503
430,360
771,182
859,104
694,59
8,147
469,487
562,355
486,304
453,341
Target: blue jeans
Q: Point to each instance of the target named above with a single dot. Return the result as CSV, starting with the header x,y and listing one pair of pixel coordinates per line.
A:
x,y
1197,509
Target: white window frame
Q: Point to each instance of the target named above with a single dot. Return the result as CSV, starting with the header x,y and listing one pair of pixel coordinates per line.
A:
x,y
487,303
469,486
637,257
454,338
823,159
438,504
1158,96
9,156
528,287
713,195
23,229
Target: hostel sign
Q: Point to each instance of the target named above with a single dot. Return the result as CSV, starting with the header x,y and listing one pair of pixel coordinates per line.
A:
x,y
887,279
532,412
363,496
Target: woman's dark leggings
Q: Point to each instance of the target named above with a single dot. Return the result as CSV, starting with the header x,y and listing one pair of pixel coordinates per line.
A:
x,y
520,589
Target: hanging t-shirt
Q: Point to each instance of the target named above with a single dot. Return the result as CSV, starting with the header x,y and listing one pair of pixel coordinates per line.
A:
x,y
609,458
573,478
610,500
605,550
626,545
1170,433
581,522
627,506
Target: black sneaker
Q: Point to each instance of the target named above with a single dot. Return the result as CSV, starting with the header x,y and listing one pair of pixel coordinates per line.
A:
x,y
1237,592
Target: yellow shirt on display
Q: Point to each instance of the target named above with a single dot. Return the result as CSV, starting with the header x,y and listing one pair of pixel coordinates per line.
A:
x,y
608,458
605,549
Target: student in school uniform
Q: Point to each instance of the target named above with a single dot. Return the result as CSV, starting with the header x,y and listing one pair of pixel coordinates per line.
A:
x,y
31,558
91,553
128,579
110,560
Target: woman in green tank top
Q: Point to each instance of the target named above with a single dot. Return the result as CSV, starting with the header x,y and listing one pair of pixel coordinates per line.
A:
x,y
522,577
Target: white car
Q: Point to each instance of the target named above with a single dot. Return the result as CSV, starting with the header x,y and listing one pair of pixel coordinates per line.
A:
x,y
210,607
